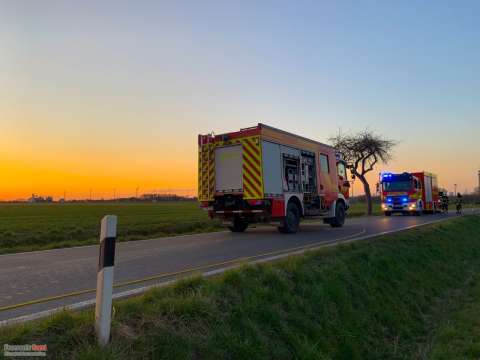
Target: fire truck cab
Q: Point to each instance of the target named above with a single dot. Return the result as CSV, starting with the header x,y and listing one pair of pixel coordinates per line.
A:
x,y
263,174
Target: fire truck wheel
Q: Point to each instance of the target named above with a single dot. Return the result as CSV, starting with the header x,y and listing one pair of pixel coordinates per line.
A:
x,y
339,218
239,225
291,221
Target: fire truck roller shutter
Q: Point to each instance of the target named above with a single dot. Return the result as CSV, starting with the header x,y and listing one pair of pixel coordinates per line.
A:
x,y
272,168
228,168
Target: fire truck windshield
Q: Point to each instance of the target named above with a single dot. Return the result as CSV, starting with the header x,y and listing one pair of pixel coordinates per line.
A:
x,y
397,185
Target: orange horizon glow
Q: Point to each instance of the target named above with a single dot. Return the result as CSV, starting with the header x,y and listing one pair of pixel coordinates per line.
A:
x,y
120,161
103,176
94,178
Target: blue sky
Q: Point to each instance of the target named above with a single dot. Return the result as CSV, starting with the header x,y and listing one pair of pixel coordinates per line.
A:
x,y
134,80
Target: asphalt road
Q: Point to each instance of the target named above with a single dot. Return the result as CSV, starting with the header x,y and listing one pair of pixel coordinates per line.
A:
x,y
38,275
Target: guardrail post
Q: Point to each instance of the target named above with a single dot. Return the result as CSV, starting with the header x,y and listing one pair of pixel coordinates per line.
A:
x,y
103,305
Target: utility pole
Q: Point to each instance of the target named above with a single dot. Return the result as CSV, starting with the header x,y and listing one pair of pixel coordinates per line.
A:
x,y
478,188
455,186
136,193
114,194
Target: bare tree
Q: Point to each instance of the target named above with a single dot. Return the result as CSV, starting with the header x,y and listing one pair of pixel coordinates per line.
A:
x,y
362,151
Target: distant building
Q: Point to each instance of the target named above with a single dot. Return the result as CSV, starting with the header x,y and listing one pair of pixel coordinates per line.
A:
x,y
149,197
162,197
39,199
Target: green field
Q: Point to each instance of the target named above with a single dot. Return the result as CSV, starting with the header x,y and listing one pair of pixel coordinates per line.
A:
x,y
25,227
410,295
360,209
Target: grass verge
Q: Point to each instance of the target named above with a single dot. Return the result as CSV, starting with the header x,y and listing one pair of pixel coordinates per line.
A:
x,y
383,298
458,335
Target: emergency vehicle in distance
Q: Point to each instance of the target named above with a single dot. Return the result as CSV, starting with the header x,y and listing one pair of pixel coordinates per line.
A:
x,y
409,193
263,174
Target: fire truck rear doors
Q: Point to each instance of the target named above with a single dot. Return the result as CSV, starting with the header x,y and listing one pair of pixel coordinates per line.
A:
x,y
228,169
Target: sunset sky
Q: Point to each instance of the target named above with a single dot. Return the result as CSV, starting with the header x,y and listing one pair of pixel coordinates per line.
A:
x,y
112,95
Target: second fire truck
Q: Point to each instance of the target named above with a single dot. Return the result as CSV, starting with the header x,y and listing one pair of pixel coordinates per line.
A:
x,y
409,193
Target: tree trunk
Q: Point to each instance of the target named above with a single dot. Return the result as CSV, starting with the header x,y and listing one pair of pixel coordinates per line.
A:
x,y
368,194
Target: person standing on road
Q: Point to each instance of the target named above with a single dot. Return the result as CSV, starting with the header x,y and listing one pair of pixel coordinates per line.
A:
x,y
459,204
445,203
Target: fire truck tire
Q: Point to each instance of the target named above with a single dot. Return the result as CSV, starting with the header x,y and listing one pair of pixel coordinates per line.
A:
x,y
292,220
239,225
339,218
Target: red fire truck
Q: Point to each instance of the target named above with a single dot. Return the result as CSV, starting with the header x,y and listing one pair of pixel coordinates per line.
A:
x,y
263,174
409,193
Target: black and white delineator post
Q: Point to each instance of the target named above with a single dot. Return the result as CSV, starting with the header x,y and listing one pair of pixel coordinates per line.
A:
x,y
106,260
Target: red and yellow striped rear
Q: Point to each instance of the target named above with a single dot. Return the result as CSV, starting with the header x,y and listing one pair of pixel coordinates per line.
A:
x,y
252,177
206,168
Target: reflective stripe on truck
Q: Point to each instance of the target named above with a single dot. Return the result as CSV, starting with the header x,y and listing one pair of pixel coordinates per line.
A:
x,y
252,168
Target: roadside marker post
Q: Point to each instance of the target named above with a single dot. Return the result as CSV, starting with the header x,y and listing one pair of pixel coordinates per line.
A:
x,y
106,260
